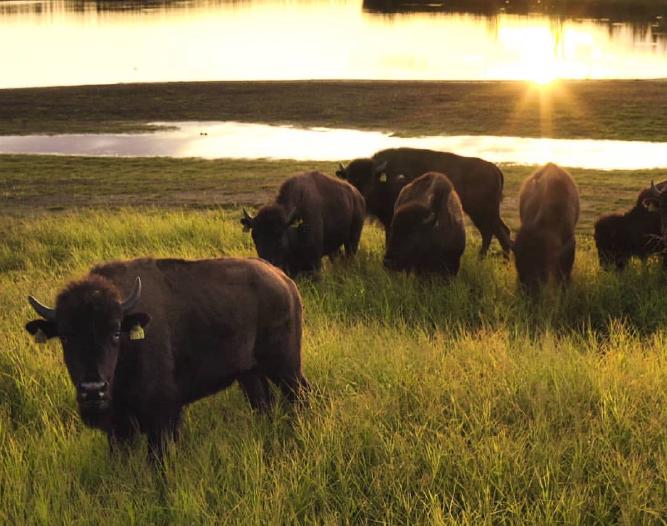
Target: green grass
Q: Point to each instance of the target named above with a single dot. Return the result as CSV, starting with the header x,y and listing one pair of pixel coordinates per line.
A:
x,y
434,403
614,109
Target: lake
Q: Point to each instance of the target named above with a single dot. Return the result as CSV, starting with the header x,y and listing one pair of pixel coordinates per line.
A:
x,y
71,43
235,140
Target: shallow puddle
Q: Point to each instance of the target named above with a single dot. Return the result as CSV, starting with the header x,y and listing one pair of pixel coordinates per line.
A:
x,y
236,140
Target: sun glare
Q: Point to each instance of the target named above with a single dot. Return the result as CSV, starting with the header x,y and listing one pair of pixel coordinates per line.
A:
x,y
535,51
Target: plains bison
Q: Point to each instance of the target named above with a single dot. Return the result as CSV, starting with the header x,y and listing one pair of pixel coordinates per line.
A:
x,y
427,233
549,211
185,330
636,232
312,216
656,201
478,183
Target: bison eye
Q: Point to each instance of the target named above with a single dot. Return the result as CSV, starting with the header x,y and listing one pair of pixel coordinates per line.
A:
x,y
115,337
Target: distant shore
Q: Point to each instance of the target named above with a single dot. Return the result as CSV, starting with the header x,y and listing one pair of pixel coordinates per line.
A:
x,y
601,109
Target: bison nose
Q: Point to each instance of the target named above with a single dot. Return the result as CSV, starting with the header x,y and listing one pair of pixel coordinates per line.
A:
x,y
92,390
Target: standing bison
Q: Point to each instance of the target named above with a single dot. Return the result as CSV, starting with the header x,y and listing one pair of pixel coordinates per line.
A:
x,y
312,216
656,201
427,233
549,211
478,183
636,232
185,330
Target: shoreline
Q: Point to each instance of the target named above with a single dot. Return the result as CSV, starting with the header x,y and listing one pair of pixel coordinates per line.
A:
x,y
592,109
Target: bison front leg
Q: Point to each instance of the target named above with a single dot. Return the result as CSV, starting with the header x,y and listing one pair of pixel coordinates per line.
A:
x,y
162,428
122,432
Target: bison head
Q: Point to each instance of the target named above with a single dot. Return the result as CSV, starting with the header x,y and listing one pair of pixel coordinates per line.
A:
x,y
275,233
363,174
533,257
656,200
409,244
610,245
92,322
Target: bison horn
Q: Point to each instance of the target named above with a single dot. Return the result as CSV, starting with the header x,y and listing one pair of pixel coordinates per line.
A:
x,y
341,167
45,312
379,168
131,301
246,214
654,190
431,219
292,216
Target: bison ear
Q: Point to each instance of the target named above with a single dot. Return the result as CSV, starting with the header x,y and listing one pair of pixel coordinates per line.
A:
x,y
341,173
136,319
650,204
42,330
247,221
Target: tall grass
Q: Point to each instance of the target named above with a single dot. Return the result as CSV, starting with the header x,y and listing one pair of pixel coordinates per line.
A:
x,y
433,402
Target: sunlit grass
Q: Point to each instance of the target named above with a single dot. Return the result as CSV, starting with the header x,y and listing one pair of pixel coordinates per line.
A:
x,y
433,402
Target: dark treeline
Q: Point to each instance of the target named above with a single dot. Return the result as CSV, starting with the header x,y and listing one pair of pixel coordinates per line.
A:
x,y
653,11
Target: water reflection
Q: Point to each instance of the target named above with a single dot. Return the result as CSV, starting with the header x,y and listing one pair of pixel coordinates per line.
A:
x,y
235,140
70,43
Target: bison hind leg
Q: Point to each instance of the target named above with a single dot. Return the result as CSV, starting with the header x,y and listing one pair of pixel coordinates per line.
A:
x,y
352,243
452,264
502,233
565,263
257,390
293,385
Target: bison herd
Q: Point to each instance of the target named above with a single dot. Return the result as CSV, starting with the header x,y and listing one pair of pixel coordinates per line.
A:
x,y
145,337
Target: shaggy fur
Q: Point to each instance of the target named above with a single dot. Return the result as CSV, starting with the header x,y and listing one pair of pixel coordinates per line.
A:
x,y
207,324
312,216
478,183
427,233
549,210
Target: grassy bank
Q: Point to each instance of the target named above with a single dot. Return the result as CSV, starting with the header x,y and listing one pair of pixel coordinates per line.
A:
x,y
629,110
435,403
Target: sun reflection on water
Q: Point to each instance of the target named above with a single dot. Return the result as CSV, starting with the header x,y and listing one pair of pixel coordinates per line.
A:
x,y
319,39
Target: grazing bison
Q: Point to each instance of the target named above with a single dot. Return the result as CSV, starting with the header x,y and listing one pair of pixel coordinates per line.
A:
x,y
185,330
427,233
655,200
312,216
478,183
636,232
549,211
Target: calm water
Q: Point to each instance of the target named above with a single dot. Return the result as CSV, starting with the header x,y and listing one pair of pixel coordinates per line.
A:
x,y
69,43
235,140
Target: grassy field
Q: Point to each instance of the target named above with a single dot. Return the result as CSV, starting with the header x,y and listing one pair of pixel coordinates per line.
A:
x,y
434,403
617,109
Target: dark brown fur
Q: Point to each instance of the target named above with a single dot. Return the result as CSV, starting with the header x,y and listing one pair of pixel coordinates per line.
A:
x,y
427,232
312,216
478,183
636,232
549,210
212,322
